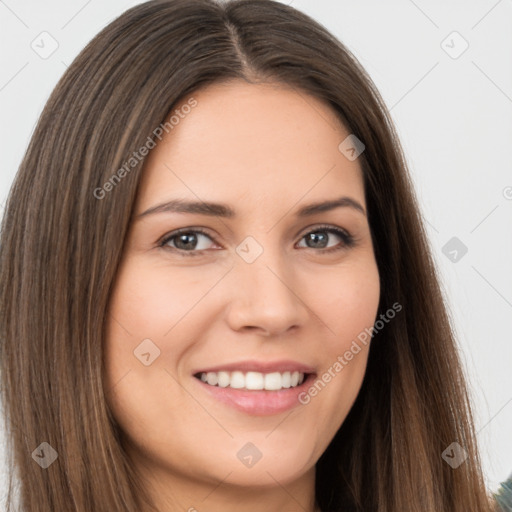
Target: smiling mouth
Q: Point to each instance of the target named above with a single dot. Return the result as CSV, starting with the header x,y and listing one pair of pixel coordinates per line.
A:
x,y
253,381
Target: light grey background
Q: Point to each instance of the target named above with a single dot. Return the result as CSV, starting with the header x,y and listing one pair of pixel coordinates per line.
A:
x,y
453,114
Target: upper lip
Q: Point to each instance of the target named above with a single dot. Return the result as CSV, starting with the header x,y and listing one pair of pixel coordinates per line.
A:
x,y
259,366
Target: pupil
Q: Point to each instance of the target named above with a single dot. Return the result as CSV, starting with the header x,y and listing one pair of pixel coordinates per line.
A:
x,y
182,239
315,238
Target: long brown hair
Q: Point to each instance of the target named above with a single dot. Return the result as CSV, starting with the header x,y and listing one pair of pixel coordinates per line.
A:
x,y
61,245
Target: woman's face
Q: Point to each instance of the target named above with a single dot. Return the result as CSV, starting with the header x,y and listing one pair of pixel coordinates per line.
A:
x,y
261,293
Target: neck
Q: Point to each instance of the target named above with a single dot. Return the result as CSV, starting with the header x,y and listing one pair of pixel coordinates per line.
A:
x,y
171,492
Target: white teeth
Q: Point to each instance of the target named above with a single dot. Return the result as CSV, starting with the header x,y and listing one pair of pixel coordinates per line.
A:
x,y
237,380
273,381
211,378
223,379
253,380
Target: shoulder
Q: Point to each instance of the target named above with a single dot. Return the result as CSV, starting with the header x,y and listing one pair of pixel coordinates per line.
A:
x,y
504,495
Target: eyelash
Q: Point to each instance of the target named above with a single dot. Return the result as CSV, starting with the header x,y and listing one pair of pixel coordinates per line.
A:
x,y
348,240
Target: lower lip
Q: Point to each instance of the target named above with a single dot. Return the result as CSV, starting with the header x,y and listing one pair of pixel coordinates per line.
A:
x,y
258,402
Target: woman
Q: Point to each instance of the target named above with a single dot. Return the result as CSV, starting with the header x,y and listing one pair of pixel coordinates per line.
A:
x,y
301,358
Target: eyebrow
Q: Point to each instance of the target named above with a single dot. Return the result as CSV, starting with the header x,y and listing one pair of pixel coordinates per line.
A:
x,y
223,210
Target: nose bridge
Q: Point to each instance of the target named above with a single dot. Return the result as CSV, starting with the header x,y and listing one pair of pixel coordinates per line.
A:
x,y
261,259
265,294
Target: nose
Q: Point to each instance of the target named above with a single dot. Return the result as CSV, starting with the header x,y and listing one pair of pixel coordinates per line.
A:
x,y
265,296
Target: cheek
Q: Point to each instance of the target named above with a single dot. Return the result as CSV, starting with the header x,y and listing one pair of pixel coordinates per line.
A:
x,y
158,303
348,305
157,310
346,300
151,300
154,309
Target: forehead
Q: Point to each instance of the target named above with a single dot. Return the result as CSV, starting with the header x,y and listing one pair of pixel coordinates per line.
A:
x,y
260,142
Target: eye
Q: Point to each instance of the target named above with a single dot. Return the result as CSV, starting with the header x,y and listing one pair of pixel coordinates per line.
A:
x,y
186,241
318,238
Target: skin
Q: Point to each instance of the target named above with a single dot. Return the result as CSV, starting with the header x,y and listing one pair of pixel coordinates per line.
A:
x,y
265,150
